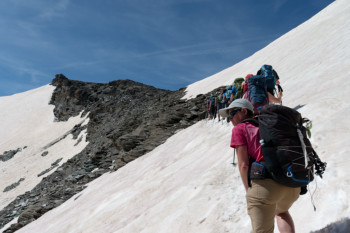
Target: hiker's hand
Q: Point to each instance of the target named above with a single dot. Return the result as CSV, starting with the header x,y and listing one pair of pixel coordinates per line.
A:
x,y
279,88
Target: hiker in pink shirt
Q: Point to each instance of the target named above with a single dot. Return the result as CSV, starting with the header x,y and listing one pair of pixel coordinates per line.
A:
x,y
265,197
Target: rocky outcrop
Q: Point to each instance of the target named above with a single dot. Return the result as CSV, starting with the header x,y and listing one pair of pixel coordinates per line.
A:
x,y
340,226
127,120
7,155
14,185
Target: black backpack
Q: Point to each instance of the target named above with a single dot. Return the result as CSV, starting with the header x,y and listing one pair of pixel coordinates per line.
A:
x,y
288,154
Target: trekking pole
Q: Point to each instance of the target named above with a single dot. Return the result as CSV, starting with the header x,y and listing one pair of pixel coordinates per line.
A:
x,y
280,90
234,158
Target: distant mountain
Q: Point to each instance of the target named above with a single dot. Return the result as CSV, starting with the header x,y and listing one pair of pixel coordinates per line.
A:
x,y
126,120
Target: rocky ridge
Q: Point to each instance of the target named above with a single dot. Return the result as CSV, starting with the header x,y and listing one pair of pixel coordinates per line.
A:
x,y
127,120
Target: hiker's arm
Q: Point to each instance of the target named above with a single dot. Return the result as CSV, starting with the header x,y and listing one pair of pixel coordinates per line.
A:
x,y
243,164
232,98
279,88
273,99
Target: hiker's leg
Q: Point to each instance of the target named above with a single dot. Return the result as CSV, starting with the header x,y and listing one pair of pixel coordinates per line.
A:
x,y
261,208
285,223
284,219
218,110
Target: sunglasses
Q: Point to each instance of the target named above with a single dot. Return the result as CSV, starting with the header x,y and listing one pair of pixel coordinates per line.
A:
x,y
233,113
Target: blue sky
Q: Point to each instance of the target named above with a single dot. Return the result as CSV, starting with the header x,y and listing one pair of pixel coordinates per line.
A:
x,y
168,44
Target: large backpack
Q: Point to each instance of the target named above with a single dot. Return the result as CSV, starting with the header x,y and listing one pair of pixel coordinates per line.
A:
x,y
234,90
212,101
257,93
228,94
269,74
245,84
238,85
288,153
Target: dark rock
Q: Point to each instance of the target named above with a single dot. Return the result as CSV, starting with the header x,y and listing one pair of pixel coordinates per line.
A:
x,y
342,225
45,153
13,186
78,174
53,165
194,108
128,142
7,155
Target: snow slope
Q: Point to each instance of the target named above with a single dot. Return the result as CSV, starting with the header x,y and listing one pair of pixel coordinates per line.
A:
x,y
27,123
188,183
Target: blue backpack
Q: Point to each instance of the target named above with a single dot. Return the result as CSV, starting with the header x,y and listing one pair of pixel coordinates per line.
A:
x,y
228,94
212,100
234,90
267,72
256,93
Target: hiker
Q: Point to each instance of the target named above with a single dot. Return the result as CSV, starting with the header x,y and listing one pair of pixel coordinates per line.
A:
x,y
233,93
266,199
245,84
219,102
255,91
238,87
208,107
212,107
271,78
227,96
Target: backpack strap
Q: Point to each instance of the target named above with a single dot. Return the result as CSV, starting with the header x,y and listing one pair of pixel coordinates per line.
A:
x,y
254,121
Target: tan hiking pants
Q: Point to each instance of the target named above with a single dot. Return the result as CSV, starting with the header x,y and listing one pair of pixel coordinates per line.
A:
x,y
265,199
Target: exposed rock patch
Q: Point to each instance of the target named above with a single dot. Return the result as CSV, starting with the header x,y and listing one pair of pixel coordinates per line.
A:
x,y
44,153
13,186
7,155
53,165
342,225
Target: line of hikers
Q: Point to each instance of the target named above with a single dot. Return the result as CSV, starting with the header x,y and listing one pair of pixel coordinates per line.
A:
x,y
259,89
276,160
